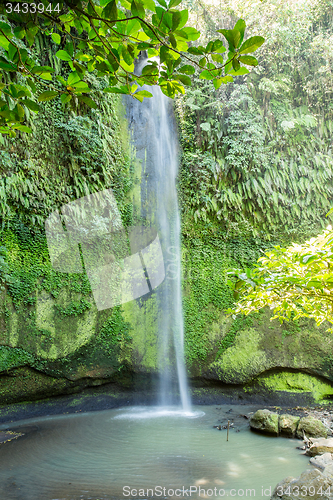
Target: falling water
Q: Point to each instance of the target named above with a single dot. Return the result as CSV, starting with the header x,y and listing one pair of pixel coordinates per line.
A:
x,y
155,140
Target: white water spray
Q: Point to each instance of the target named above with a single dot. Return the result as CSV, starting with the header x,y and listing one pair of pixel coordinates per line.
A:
x,y
155,140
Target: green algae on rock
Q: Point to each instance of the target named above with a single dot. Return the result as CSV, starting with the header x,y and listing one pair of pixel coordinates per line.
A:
x,y
265,421
311,427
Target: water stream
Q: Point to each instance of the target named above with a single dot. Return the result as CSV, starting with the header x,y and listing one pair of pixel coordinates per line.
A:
x,y
155,139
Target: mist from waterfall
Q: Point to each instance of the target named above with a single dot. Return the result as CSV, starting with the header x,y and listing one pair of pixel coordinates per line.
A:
x,y
155,140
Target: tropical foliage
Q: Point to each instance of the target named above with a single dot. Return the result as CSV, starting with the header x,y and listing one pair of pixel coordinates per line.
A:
x,y
258,154
105,37
294,282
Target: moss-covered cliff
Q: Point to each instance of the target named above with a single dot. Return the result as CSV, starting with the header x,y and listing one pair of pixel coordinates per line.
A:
x,y
245,183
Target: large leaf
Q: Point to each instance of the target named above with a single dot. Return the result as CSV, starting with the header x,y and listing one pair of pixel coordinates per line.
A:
x,y
251,44
110,11
138,9
63,55
187,69
240,26
249,60
48,95
233,37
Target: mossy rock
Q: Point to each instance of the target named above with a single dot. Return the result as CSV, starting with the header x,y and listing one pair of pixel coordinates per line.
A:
x,y
311,427
265,421
288,425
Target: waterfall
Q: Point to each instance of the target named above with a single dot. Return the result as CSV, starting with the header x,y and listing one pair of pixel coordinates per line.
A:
x,y
154,137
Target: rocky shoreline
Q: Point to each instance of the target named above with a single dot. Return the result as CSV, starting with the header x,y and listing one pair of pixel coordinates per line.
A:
x,y
315,428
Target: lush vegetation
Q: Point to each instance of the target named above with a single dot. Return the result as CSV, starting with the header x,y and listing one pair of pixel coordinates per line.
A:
x,y
258,154
294,282
105,38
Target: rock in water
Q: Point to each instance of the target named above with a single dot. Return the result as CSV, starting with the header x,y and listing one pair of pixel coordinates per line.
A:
x,y
312,427
288,425
265,421
320,446
322,461
312,484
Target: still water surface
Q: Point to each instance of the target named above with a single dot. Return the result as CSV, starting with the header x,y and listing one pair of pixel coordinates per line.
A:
x,y
114,454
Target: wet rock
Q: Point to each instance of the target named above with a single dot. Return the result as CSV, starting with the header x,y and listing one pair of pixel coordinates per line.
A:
x,y
288,425
319,446
322,461
311,427
265,421
311,484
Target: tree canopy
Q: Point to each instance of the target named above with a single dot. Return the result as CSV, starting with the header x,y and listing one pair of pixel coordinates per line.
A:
x,y
294,282
105,37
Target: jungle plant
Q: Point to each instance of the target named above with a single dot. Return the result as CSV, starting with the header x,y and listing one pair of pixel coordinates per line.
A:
x,y
106,37
294,282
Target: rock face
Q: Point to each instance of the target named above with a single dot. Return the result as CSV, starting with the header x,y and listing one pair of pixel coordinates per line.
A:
x,y
322,461
312,484
288,425
265,421
320,446
311,427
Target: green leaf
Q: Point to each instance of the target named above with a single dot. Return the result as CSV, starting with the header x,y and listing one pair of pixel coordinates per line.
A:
x,y
149,4
249,60
240,26
174,3
73,78
32,105
184,18
56,38
233,37
37,70
241,71
163,3
110,11
48,95
251,44
117,90
4,42
206,75
19,32
218,58
187,69
143,93
176,19
65,98
173,40
138,9
195,51
63,55
235,65
192,33
186,80
22,128
218,47
88,101
225,79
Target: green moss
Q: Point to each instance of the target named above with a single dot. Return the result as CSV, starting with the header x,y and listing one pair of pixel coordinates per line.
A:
x,y
142,315
297,382
243,360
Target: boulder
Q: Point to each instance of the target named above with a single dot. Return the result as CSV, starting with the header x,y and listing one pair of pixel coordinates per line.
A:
x,y
319,446
311,427
288,425
311,484
265,421
322,461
